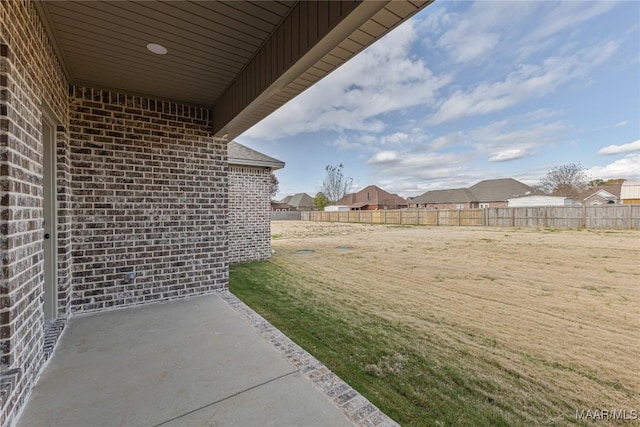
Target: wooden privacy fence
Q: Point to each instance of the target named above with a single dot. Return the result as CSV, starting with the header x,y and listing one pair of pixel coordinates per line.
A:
x,y
285,215
604,217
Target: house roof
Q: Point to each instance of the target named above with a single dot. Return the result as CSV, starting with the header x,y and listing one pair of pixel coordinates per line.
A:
x,y
490,190
613,190
454,195
242,59
371,195
238,154
299,200
498,190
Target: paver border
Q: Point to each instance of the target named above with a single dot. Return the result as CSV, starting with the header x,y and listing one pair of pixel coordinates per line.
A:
x,y
356,407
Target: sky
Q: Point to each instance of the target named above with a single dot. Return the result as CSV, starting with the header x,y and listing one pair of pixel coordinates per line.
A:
x,y
466,91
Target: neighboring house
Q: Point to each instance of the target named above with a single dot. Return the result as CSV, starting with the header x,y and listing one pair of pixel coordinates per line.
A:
x,y
337,208
601,195
494,193
534,201
114,178
630,193
300,202
456,198
372,198
279,206
490,193
249,203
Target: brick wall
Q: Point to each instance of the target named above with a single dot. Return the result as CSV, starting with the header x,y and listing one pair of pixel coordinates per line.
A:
x,y
30,77
249,216
141,187
148,196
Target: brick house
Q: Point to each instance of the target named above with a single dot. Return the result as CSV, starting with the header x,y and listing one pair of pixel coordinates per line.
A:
x,y
249,203
601,195
455,198
372,198
280,207
299,202
490,193
114,122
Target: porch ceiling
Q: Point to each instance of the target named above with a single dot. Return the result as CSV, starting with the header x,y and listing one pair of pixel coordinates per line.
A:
x,y
242,59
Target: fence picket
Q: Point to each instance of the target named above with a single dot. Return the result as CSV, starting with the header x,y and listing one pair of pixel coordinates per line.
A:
x,y
599,217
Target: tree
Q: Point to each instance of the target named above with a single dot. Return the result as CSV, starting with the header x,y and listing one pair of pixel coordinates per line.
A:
x,y
566,180
321,201
336,184
595,183
274,185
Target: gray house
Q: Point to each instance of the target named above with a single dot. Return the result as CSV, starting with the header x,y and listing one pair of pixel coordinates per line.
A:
x,y
249,203
490,193
114,123
300,202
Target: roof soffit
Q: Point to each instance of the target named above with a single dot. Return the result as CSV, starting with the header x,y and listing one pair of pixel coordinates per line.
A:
x,y
242,59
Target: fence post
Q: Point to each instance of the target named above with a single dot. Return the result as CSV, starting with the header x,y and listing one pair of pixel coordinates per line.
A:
x,y
385,216
584,216
513,217
630,218
418,215
459,217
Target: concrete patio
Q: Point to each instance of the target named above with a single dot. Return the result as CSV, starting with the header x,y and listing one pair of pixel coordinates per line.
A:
x,y
202,361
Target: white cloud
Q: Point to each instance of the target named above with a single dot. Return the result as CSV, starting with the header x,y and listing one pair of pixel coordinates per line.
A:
x,y
528,81
559,18
412,172
627,168
478,31
383,157
564,15
448,140
508,155
384,78
444,161
619,149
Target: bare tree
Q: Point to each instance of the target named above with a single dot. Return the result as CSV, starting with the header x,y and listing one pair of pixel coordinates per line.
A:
x,y
336,184
565,180
274,185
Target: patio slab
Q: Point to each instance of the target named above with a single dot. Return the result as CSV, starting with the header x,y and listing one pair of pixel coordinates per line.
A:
x,y
188,362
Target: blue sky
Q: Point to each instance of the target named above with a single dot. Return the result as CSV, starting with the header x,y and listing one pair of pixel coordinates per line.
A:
x,y
466,91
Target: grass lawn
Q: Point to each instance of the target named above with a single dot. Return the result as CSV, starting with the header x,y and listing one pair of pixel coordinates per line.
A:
x,y
384,361
509,336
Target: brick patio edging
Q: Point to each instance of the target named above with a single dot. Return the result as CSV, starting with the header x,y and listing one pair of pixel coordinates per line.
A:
x,y
357,408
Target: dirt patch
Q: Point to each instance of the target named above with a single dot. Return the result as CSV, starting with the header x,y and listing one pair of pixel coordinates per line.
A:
x,y
559,309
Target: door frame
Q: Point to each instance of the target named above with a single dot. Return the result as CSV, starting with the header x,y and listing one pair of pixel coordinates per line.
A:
x,y
50,215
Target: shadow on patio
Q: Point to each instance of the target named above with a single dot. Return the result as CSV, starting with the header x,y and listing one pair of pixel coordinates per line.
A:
x,y
207,360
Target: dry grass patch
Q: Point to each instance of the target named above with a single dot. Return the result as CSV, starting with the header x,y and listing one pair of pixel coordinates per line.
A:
x,y
521,326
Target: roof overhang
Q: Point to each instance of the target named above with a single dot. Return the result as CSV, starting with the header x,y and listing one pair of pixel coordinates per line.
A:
x,y
241,59
255,163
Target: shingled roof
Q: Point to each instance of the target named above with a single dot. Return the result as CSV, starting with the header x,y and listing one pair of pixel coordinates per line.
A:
x,y
299,201
498,190
454,195
238,154
372,195
489,190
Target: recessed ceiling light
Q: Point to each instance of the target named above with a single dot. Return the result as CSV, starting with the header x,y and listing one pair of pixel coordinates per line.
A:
x,y
156,48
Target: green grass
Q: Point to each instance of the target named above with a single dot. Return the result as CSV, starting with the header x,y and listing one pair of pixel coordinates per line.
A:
x,y
411,377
